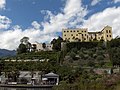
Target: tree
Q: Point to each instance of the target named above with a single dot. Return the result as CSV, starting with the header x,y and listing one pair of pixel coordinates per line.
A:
x,y
115,54
81,54
114,51
57,43
74,50
22,49
16,75
53,41
28,46
1,66
72,55
25,46
100,59
24,40
44,45
91,63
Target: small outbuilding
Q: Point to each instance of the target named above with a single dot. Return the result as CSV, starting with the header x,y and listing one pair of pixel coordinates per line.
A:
x,y
50,79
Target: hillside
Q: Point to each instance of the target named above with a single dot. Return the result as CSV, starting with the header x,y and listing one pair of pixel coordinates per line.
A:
x,y
5,52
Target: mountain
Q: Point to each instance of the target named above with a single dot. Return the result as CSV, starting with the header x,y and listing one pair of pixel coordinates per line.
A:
x,y
5,52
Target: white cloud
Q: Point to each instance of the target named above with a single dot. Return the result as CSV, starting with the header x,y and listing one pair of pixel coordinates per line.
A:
x,y
94,2
2,4
36,25
116,1
4,22
109,16
71,14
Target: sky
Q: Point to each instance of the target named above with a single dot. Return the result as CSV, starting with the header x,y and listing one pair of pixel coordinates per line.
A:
x,y
43,20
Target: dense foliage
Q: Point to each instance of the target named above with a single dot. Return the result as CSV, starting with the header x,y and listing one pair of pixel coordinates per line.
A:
x,y
21,49
57,44
80,45
114,51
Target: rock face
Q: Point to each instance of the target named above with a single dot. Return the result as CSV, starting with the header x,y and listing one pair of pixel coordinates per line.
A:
x,y
5,52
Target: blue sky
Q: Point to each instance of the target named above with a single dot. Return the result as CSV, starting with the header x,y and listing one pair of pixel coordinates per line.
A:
x,y
23,12
43,20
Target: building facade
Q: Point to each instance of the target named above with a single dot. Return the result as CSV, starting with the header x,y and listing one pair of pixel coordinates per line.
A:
x,y
39,47
82,35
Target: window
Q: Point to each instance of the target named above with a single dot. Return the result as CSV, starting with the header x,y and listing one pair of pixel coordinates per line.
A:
x,y
73,38
65,35
107,35
70,31
85,31
71,34
79,40
110,35
109,31
74,30
76,34
64,31
67,31
77,30
106,31
85,34
87,37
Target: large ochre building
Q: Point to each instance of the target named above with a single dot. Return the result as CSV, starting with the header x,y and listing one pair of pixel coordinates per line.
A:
x,y
83,35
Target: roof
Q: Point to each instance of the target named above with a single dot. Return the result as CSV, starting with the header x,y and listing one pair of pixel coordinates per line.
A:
x,y
94,32
75,29
105,27
51,74
25,74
